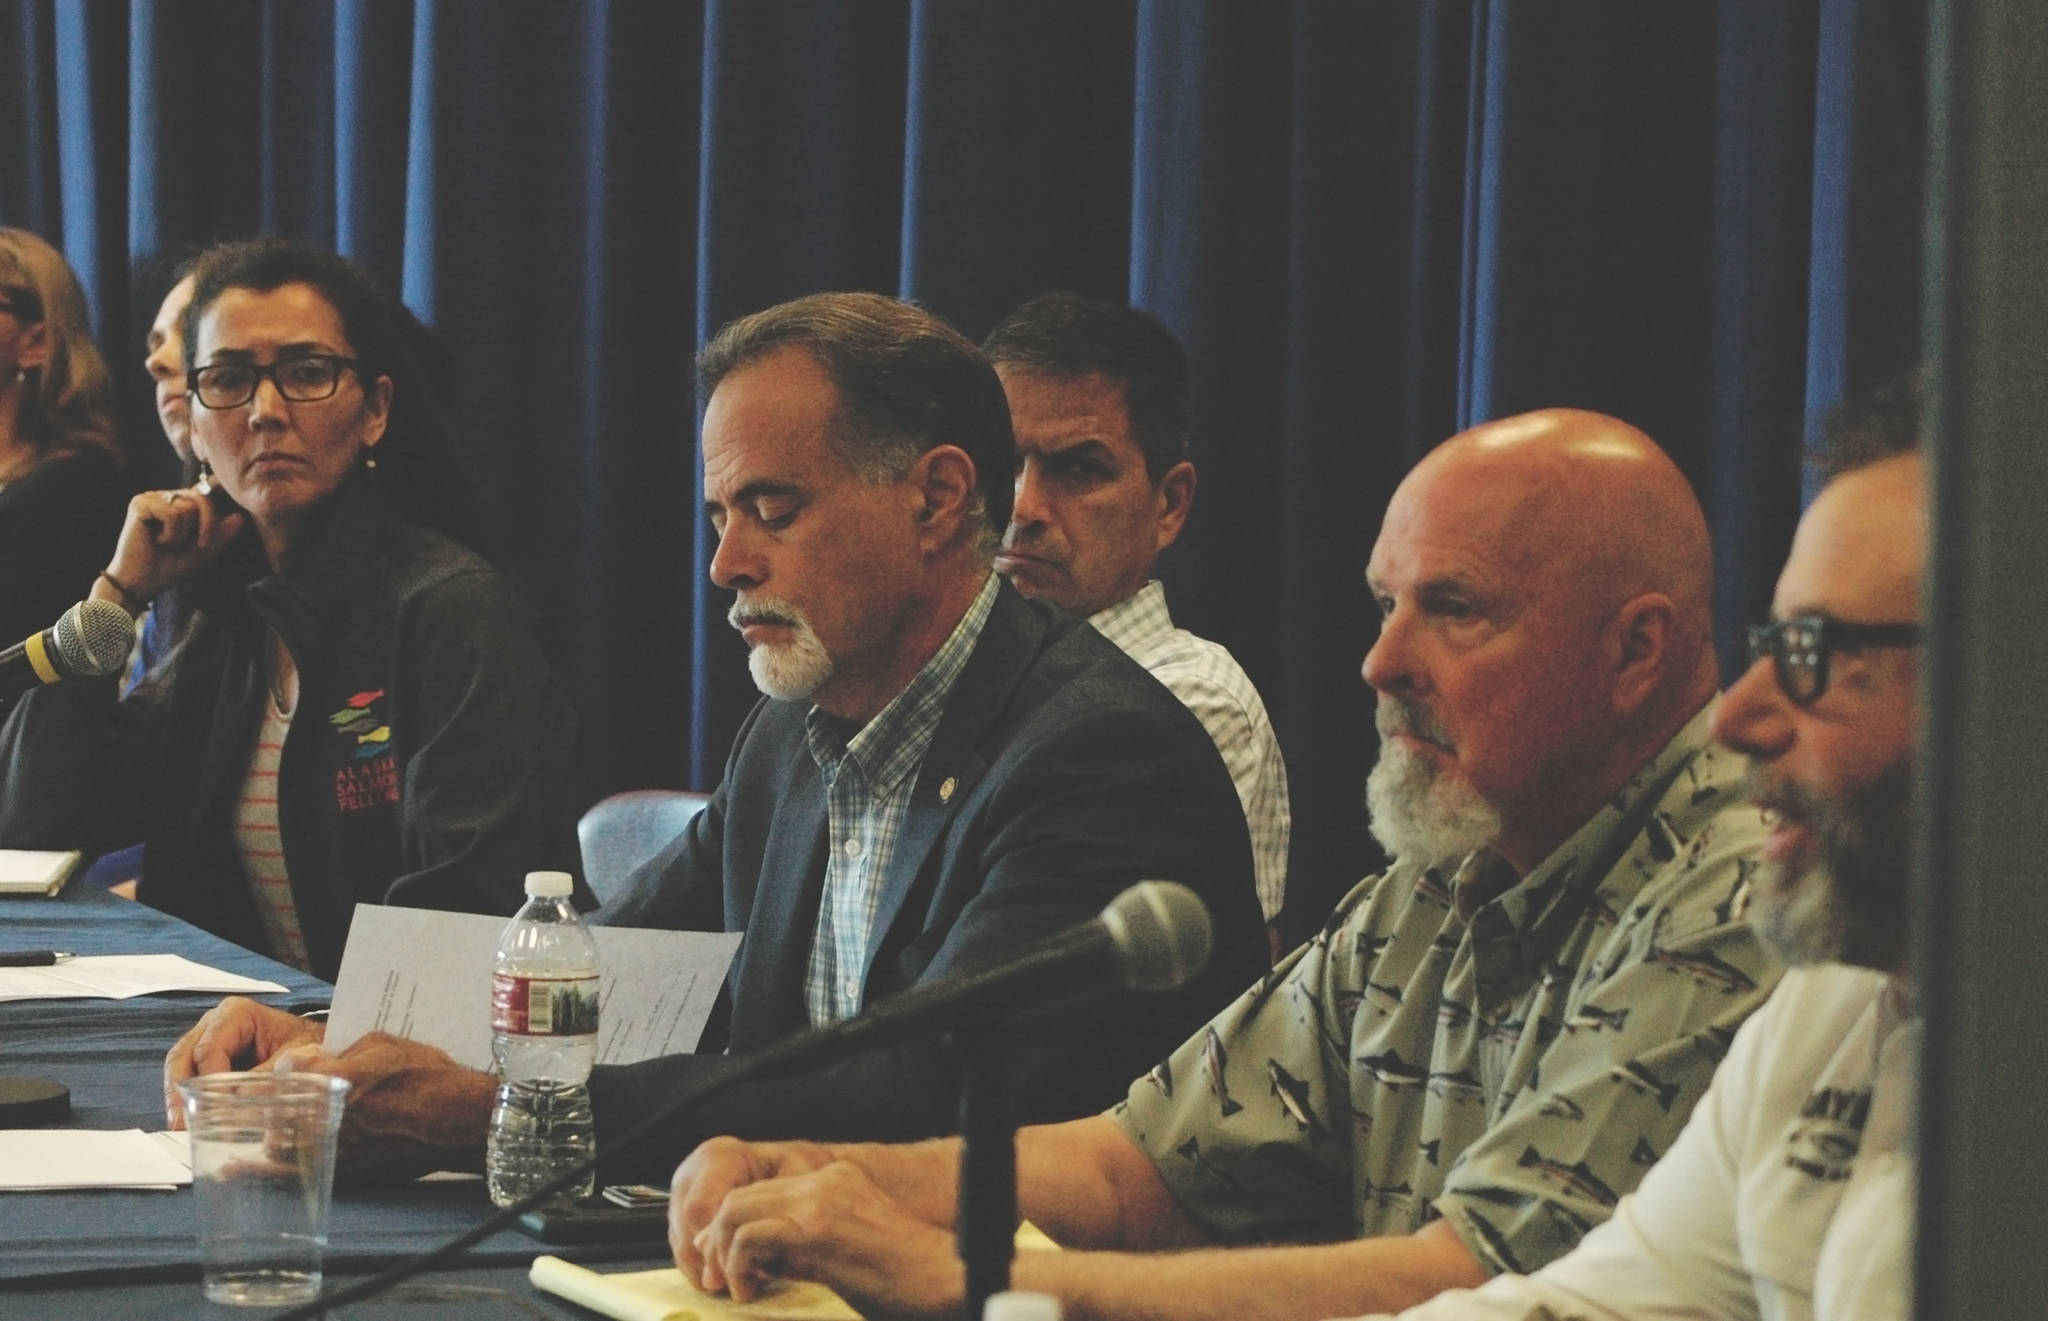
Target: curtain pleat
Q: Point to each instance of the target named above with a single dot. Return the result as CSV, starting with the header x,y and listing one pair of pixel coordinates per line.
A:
x,y
1370,225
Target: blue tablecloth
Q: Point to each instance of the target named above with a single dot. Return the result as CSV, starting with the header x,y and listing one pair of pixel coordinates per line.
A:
x,y
60,1251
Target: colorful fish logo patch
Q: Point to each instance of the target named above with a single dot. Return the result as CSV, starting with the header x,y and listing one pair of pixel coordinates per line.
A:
x,y
369,777
361,719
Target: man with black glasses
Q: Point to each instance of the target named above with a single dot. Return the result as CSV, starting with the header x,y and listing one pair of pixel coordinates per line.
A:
x,y
1790,1193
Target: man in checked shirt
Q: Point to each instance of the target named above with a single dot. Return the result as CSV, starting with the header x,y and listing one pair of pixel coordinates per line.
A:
x,y
1099,403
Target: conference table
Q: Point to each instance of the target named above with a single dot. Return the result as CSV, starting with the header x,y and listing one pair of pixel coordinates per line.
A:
x,y
108,1254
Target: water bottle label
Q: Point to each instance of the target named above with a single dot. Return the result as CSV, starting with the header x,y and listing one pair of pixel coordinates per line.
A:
x,y
543,1006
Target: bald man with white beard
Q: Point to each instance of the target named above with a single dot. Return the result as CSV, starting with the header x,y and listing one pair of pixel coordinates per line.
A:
x,y
1486,1045
1789,1197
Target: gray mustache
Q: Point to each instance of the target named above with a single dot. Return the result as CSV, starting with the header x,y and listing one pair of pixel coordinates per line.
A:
x,y
740,616
1395,715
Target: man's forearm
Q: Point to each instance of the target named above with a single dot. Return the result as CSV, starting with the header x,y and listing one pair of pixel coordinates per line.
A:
x,y
923,1178
1252,1284
1082,1182
1089,1186
409,1113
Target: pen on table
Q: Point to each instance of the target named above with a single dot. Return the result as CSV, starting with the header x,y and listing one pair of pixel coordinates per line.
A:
x,y
33,958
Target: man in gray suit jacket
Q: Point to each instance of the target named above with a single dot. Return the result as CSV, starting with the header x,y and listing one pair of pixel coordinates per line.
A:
x,y
941,772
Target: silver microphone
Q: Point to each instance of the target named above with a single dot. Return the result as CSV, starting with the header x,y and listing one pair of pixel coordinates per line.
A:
x,y
91,641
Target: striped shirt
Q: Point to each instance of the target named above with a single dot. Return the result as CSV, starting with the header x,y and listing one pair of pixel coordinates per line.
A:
x,y
869,774
262,848
1208,682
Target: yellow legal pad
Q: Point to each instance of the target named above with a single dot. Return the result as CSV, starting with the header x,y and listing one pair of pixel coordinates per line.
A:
x,y
664,1295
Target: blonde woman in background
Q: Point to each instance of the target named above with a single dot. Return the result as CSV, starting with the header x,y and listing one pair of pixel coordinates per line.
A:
x,y
62,492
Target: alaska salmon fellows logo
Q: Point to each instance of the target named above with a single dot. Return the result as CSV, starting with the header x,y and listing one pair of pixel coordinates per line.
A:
x,y
370,775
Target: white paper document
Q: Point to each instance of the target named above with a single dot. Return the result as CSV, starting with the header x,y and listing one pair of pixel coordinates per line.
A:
x,y
426,975
39,1159
119,976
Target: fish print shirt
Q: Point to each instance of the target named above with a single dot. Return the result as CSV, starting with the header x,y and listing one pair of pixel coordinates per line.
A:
x,y
1512,1055
1789,1198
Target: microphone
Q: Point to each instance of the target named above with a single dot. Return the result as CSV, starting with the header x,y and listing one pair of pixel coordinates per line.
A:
x,y
91,641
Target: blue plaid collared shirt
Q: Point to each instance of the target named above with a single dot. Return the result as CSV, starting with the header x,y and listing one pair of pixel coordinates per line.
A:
x,y
869,774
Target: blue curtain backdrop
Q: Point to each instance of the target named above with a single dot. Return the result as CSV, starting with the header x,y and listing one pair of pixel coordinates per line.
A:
x,y
1371,224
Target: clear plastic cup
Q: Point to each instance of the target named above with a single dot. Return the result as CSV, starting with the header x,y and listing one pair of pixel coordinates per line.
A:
x,y
263,1178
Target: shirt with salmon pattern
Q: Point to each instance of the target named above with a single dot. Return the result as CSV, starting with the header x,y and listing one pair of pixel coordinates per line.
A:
x,y
1512,1055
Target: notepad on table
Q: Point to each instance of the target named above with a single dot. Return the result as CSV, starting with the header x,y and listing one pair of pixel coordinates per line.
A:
x,y
664,1295
35,871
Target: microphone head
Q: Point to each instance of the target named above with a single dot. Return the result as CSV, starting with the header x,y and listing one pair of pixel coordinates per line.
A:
x,y
93,639
1161,933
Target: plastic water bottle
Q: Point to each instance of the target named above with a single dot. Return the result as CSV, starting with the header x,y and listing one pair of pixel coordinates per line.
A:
x,y
544,1040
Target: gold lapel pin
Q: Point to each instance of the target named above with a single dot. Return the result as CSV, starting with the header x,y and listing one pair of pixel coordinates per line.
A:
x,y
946,788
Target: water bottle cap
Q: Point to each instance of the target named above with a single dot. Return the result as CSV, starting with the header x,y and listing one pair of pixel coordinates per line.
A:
x,y
549,884
1020,1305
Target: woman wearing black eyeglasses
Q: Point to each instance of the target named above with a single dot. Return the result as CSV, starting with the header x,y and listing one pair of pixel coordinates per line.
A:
x,y
361,711
61,484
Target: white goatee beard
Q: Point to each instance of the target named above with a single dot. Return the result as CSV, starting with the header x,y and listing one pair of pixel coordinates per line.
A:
x,y
788,671
1420,812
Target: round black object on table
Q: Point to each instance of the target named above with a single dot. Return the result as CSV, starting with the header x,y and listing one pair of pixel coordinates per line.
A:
x,y
28,1102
